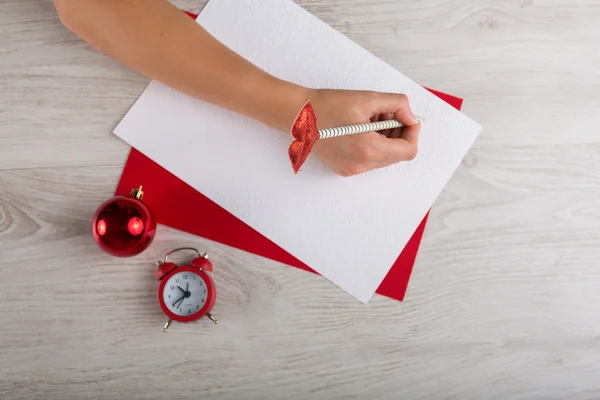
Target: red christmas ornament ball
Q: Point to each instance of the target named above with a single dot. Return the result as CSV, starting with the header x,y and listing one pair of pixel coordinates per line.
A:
x,y
124,226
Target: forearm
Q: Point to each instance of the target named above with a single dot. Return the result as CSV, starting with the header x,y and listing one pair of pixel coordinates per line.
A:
x,y
156,39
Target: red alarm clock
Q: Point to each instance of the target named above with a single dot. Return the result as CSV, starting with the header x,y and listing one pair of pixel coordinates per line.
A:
x,y
186,293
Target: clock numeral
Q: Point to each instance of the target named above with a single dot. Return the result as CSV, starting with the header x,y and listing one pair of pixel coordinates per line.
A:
x,y
177,280
185,277
197,307
204,290
169,296
194,276
172,287
189,311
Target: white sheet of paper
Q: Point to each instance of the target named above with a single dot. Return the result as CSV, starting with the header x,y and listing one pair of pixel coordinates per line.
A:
x,y
350,230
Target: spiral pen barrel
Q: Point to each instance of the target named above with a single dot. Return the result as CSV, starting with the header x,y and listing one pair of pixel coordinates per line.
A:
x,y
360,128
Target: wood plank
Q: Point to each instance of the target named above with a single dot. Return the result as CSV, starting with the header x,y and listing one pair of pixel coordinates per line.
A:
x,y
504,298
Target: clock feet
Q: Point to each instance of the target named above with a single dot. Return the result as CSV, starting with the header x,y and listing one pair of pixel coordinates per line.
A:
x,y
167,325
209,315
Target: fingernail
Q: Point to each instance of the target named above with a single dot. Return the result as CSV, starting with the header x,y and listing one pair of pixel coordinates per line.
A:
x,y
416,119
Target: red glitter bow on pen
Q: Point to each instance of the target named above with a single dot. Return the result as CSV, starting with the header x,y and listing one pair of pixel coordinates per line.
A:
x,y
305,133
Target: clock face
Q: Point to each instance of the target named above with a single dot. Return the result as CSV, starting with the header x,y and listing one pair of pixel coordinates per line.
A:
x,y
185,293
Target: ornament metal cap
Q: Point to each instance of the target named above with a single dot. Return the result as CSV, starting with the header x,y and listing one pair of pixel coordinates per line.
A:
x,y
137,193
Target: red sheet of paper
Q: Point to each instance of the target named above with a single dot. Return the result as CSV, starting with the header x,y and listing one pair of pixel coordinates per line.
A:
x,y
196,214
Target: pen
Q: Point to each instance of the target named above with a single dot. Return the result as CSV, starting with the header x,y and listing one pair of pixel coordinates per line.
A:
x,y
306,134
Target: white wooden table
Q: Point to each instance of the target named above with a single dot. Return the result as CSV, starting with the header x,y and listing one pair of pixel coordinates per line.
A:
x,y
504,302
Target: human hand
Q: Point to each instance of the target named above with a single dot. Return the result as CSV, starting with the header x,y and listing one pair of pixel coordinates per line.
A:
x,y
355,154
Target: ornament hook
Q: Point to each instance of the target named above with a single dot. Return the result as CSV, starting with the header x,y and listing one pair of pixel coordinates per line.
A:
x,y
137,193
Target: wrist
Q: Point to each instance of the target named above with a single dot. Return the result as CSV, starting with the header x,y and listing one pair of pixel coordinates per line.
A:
x,y
285,102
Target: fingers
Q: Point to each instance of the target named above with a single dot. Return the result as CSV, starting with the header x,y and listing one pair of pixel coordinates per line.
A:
x,y
395,134
411,134
356,154
395,104
397,150
386,117
401,145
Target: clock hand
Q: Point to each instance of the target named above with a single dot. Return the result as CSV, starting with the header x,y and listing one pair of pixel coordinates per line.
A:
x,y
186,294
179,300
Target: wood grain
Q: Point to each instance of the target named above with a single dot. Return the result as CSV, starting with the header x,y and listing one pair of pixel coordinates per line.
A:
x,y
504,298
